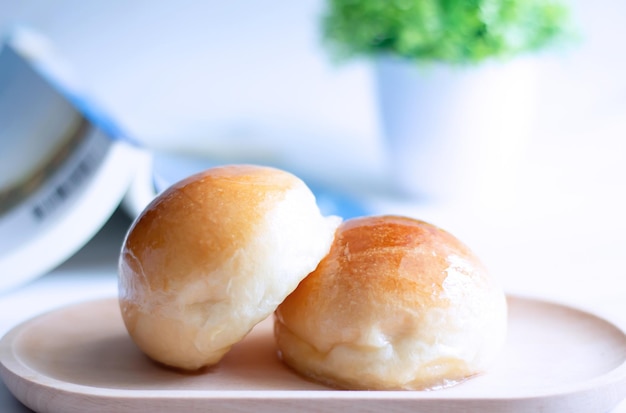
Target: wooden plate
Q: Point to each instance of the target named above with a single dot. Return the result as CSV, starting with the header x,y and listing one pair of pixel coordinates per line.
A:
x,y
80,359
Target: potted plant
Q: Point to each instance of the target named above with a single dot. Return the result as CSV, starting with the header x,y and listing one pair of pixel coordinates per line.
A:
x,y
454,84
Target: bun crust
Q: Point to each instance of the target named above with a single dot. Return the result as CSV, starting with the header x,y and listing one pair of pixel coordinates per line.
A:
x,y
212,256
396,304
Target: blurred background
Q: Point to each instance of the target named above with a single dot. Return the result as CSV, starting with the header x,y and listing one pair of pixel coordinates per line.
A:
x,y
230,80
235,80
251,82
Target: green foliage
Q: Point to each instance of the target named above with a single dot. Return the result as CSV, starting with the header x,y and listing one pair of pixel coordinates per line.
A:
x,y
454,31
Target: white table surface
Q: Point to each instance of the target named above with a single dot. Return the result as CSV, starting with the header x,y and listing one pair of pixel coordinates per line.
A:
x,y
90,274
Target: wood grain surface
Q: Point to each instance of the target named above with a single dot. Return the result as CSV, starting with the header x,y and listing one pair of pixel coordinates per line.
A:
x,y
80,359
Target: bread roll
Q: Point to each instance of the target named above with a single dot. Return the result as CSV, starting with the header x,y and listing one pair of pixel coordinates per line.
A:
x,y
396,304
212,256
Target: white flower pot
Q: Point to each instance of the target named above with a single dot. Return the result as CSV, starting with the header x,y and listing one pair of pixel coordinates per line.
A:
x,y
455,133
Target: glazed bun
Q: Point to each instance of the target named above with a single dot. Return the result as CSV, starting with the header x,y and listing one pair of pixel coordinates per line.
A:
x,y
396,304
212,256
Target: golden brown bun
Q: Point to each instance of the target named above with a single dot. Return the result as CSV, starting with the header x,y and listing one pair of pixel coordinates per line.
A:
x,y
212,256
396,304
